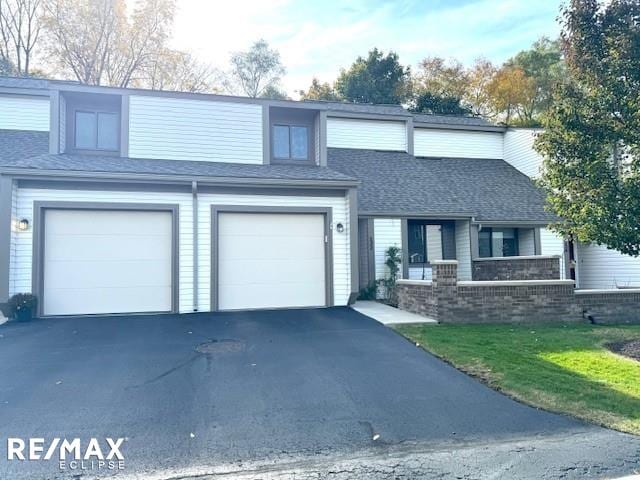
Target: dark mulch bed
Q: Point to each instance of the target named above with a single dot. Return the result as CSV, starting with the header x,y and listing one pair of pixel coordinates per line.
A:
x,y
630,348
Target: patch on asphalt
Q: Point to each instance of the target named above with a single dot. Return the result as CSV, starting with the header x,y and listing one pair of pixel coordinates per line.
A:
x,y
221,346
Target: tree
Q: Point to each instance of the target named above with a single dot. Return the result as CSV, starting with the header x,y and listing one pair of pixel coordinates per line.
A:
x,y
320,91
591,141
179,71
544,65
479,76
508,91
378,78
255,70
441,78
437,104
274,93
97,43
20,25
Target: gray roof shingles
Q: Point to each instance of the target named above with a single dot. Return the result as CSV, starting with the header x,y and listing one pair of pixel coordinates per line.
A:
x,y
391,182
16,145
25,151
397,183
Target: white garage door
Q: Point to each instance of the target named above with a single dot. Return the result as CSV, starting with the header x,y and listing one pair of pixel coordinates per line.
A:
x,y
99,261
270,260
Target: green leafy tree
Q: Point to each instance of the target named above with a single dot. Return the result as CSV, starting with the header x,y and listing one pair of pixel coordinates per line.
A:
x,y
378,78
591,141
275,93
544,65
428,102
320,91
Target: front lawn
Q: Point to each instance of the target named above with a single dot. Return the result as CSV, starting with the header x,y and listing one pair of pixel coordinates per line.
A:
x,y
563,368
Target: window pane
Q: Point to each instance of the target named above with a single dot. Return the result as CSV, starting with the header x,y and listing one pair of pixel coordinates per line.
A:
x,y
415,232
484,243
108,126
281,141
504,242
85,130
434,242
509,242
299,143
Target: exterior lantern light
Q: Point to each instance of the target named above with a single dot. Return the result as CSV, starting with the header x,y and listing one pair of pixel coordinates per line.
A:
x,y
23,225
340,228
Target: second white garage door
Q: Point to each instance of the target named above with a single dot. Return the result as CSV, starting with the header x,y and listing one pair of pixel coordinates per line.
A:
x,y
270,260
104,261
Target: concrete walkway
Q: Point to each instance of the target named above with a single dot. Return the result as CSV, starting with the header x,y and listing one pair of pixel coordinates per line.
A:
x,y
389,315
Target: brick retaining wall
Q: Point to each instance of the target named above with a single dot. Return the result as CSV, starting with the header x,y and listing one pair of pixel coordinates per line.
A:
x,y
450,301
610,306
517,268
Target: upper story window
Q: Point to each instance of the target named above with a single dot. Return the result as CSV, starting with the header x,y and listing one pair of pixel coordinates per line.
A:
x,y
498,242
90,123
290,142
97,130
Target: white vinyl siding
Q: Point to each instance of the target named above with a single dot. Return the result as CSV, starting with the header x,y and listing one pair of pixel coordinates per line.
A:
x,y
341,245
366,134
553,244
387,232
24,113
200,130
463,249
13,238
519,152
21,271
429,142
601,267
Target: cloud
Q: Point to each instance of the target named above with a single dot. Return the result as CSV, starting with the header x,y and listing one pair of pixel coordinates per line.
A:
x,y
319,38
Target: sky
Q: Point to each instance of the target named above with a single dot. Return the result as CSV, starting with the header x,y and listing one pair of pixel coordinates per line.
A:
x,y
317,38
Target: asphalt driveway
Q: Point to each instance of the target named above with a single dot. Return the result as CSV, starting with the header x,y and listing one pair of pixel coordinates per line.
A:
x,y
193,392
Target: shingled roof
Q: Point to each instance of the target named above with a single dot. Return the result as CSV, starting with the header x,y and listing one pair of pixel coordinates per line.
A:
x,y
397,183
16,145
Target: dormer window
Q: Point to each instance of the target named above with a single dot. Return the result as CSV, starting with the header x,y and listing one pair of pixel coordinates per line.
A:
x,y
96,130
291,142
90,123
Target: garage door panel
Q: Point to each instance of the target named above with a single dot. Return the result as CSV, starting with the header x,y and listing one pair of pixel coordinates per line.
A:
x,y
271,260
270,224
110,247
280,247
129,299
93,274
107,261
98,222
271,271
236,297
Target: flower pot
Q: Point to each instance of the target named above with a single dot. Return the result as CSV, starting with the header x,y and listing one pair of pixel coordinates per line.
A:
x,y
23,315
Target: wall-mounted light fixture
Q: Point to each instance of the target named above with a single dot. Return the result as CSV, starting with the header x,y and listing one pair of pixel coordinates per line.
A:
x,y
23,225
340,228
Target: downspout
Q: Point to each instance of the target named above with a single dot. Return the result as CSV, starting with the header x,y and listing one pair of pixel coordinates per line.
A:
x,y
194,205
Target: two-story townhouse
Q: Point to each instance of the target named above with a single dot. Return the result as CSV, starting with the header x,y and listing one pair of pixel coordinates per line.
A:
x,y
126,200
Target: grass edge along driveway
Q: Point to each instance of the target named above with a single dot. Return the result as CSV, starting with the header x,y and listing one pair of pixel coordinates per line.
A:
x,y
557,367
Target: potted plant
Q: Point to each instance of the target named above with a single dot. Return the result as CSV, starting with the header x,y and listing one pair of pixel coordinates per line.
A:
x,y
22,306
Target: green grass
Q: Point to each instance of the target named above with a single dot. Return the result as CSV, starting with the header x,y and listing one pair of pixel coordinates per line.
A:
x,y
562,368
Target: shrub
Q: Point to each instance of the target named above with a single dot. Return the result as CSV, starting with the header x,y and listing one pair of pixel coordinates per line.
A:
x,y
22,305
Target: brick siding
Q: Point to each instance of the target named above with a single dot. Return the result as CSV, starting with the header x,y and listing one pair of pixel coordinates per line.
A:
x,y
449,301
517,268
